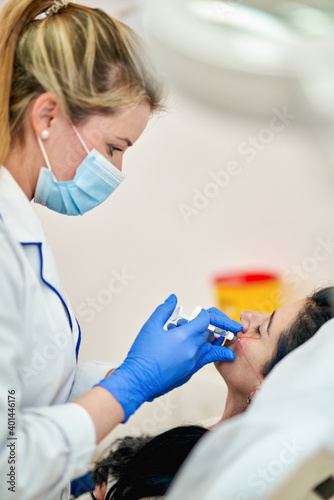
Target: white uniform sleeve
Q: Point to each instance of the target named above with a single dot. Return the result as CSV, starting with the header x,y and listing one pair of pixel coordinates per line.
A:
x,y
50,445
89,374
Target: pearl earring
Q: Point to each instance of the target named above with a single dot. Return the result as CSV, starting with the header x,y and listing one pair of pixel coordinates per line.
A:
x,y
45,135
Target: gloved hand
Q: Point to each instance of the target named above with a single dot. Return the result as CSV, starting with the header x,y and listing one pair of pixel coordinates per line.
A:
x,y
220,320
210,352
161,360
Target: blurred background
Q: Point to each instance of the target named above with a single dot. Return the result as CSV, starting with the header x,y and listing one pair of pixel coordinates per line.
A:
x,y
235,176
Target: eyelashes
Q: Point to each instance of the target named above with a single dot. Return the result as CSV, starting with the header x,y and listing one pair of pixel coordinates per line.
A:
x,y
112,149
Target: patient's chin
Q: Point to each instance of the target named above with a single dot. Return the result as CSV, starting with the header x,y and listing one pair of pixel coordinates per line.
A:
x,y
219,365
228,370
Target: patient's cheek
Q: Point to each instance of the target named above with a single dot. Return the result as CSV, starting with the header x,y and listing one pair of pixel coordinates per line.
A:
x,y
246,343
243,346
246,348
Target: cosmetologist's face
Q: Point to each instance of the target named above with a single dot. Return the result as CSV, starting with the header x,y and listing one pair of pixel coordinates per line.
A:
x,y
109,135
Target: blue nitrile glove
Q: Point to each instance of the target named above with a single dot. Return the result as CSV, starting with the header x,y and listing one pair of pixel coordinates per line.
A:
x,y
220,320
211,352
159,360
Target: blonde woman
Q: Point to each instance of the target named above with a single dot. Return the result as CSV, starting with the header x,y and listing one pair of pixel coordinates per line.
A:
x,y
76,91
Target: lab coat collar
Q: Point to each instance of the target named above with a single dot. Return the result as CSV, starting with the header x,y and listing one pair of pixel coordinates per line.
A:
x,y
16,211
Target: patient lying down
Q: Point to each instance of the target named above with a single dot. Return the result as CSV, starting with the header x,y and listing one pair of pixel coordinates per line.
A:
x,y
145,467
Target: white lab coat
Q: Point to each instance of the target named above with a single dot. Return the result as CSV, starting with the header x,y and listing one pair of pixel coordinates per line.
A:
x,y
39,337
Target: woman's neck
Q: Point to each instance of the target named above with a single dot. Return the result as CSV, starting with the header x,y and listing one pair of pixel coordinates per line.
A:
x,y
236,403
24,163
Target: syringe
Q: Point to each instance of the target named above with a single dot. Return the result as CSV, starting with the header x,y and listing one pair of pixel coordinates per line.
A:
x,y
218,332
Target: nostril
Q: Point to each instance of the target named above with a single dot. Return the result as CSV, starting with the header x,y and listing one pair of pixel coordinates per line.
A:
x,y
245,325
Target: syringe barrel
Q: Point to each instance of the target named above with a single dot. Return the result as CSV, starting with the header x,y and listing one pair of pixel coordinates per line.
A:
x,y
220,332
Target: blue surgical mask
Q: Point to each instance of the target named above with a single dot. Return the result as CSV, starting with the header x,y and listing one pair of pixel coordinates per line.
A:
x,y
95,180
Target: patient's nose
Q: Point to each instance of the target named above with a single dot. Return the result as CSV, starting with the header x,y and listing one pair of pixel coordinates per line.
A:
x,y
250,319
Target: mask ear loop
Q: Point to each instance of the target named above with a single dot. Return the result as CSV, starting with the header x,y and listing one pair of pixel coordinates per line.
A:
x,y
41,145
81,140
44,153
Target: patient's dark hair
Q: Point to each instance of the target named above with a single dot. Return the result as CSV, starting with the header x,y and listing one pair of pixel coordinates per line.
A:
x,y
318,309
145,466
122,451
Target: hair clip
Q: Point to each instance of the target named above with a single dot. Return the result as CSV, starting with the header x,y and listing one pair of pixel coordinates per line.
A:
x,y
58,5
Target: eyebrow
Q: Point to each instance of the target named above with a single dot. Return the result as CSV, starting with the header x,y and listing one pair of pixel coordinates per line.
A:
x,y
129,143
270,321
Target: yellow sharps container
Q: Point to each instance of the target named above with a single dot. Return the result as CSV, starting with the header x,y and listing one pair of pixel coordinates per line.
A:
x,y
254,291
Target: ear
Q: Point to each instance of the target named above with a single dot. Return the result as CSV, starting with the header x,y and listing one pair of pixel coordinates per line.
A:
x,y
100,491
44,110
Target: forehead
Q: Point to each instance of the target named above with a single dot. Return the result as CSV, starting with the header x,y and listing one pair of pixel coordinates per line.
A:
x,y
129,120
285,316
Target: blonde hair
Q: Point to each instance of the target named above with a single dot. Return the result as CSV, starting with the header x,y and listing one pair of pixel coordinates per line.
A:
x,y
90,61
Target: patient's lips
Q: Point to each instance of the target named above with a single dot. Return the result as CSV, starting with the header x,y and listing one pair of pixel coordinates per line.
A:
x,y
234,342
230,343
